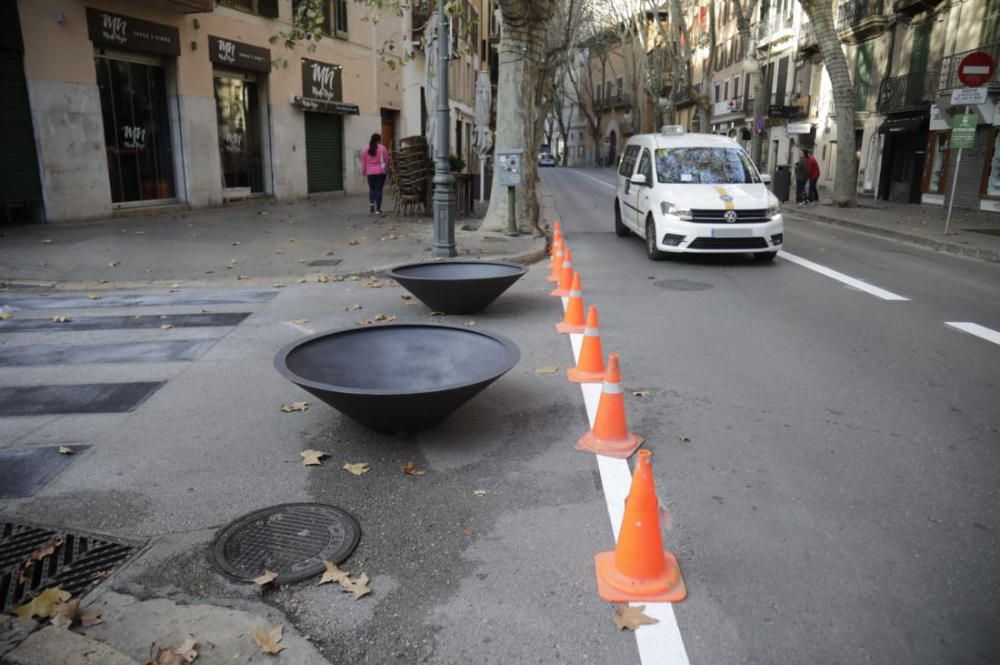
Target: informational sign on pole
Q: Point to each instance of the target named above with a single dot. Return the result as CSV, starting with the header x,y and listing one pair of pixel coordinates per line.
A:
x,y
963,136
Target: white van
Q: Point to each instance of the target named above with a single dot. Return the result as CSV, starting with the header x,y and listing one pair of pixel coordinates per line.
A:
x,y
696,193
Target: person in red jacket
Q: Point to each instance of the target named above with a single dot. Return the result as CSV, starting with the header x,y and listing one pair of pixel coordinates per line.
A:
x,y
375,166
813,167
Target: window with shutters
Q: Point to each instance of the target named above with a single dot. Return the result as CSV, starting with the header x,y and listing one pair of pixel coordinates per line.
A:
x,y
340,18
921,47
991,23
268,8
864,64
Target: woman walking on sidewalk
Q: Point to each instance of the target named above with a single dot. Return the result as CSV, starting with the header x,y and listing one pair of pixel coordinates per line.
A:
x,y
375,166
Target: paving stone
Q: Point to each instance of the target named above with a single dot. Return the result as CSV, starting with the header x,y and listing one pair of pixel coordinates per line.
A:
x,y
53,645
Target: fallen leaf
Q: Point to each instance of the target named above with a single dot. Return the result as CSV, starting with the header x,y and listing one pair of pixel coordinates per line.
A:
x,y
438,314
6,316
323,279
411,469
114,264
294,407
364,322
303,280
47,241
469,531
548,369
312,457
358,586
238,277
469,324
269,640
44,604
291,239
684,439
479,492
140,233
406,296
355,308
91,619
412,302
46,550
93,296
186,649
355,278
268,577
277,286
66,613
279,251
353,242
629,617
166,326
61,318
382,318
357,468
332,573
235,243
641,393
300,322
66,450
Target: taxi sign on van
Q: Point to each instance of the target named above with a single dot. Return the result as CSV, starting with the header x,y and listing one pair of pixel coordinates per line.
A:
x,y
672,130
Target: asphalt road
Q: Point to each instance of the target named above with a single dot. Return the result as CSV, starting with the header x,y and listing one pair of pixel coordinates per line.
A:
x,y
837,501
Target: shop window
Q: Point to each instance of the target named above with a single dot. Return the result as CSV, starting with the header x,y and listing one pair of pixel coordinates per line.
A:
x,y
340,18
238,114
938,156
991,187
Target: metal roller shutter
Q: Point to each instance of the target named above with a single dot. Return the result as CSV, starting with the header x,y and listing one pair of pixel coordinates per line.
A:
x,y
324,152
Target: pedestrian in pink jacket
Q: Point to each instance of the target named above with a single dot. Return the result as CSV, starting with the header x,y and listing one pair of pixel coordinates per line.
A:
x,y
375,167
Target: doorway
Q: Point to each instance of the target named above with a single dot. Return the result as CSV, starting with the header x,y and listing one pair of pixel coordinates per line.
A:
x,y
324,152
237,101
902,167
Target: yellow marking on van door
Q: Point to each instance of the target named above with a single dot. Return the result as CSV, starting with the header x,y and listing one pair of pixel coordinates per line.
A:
x,y
727,200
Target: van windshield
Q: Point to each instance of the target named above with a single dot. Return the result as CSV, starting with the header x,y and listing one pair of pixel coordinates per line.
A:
x,y
704,166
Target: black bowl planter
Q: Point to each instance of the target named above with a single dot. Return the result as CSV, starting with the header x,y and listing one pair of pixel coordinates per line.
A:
x,y
397,377
457,287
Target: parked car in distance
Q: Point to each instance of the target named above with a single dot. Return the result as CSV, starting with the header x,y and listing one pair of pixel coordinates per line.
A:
x,y
546,159
698,193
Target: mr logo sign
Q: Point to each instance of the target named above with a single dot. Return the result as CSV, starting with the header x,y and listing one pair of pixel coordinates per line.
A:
x,y
225,51
134,137
321,81
113,28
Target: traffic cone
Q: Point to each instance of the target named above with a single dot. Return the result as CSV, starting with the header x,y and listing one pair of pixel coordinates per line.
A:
x,y
590,367
556,239
639,569
557,261
573,319
557,242
610,435
565,275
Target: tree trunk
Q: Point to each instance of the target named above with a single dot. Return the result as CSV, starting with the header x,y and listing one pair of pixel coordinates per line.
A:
x,y
760,95
846,170
523,28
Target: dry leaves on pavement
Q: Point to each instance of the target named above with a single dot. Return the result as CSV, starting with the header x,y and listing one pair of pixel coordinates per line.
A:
x,y
479,492
66,450
166,326
47,241
356,468
323,279
46,550
685,439
411,469
406,296
548,369
91,619
5,315
332,573
312,457
93,296
180,654
266,578
359,586
295,407
629,617
438,314
61,318
44,604
269,640
469,324
66,613
300,322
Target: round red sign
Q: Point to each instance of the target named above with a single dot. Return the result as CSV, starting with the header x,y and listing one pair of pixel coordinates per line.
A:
x,y
976,69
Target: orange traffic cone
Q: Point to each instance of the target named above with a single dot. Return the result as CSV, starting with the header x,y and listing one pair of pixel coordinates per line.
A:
x,y
565,275
573,319
590,367
639,569
557,261
556,239
610,435
557,243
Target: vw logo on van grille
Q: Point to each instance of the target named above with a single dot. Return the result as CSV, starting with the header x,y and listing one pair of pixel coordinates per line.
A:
x,y
730,217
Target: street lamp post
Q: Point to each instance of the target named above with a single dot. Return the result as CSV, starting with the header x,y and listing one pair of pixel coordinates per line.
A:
x,y
444,192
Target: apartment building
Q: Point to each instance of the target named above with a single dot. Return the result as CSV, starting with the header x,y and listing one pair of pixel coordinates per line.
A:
x,y
147,103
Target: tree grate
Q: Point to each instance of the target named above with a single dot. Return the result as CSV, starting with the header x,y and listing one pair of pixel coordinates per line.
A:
x,y
79,563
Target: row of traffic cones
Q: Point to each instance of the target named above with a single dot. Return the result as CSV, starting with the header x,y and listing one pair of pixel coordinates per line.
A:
x,y
638,569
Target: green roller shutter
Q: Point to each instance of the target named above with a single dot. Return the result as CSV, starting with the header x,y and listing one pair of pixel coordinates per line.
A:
x,y
921,47
18,162
325,152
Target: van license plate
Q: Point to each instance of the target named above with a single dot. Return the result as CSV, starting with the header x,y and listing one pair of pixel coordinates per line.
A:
x,y
732,233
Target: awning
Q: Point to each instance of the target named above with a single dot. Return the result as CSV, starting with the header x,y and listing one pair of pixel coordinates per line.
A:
x,y
324,106
903,125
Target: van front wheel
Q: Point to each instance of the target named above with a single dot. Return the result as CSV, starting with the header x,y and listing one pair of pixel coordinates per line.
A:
x,y
652,252
620,229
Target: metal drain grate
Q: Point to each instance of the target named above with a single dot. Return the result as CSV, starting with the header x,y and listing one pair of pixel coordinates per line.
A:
x,y
78,564
292,540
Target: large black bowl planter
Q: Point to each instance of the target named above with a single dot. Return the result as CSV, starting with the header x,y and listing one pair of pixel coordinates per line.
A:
x,y
397,377
457,287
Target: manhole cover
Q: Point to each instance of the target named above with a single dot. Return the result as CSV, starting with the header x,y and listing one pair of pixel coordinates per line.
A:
x,y
326,262
292,540
78,562
682,285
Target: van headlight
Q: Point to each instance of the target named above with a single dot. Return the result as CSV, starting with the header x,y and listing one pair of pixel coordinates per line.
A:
x,y
773,210
668,208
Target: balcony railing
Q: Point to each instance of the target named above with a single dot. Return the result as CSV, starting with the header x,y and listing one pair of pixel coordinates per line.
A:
x,y
788,105
420,14
905,93
807,37
773,25
948,78
858,18
610,101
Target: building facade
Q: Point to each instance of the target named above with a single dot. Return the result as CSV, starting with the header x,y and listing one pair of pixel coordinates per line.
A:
x,y
159,102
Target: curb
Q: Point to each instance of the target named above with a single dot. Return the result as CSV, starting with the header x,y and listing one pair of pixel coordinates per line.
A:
x,y
957,249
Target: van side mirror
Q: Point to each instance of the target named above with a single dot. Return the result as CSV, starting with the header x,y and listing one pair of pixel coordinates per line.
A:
x,y
638,179
765,178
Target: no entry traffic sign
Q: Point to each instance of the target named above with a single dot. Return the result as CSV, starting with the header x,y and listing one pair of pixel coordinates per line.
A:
x,y
976,69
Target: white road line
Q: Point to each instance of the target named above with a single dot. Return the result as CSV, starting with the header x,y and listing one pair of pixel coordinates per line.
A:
x,y
982,332
659,643
842,278
597,180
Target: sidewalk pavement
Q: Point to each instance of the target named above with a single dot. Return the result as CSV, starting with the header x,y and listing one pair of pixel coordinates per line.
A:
x,y
260,241
972,233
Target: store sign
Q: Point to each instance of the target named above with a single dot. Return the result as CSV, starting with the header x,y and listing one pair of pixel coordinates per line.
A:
x,y
799,127
961,96
237,54
132,34
322,81
321,106
963,131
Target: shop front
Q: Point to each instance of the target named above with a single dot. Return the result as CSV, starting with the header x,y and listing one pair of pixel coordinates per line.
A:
x,y
902,171
134,61
324,111
239,76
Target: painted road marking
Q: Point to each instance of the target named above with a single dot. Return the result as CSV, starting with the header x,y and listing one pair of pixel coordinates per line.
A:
x,y
659,643
982,332
597,180
842,278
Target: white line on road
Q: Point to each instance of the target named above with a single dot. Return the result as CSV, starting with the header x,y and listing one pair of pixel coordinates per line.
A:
x,y
597,180
982,332
842,278
659,643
